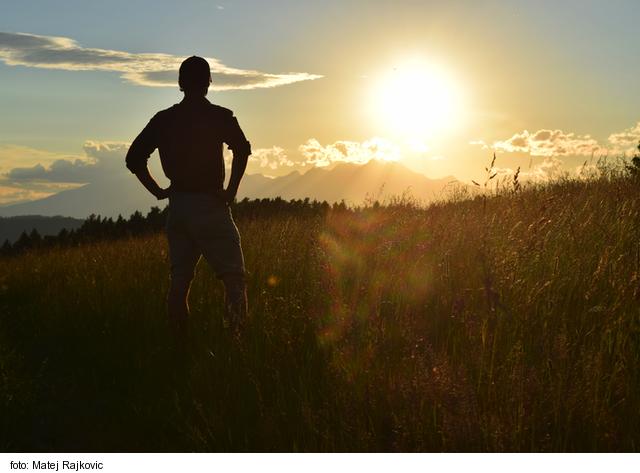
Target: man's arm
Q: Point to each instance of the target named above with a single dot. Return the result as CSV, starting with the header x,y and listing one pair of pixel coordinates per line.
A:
x,y
241,151
147,180
238,166
138,155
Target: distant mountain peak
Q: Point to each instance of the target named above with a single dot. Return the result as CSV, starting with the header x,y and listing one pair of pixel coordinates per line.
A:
x,y
351,182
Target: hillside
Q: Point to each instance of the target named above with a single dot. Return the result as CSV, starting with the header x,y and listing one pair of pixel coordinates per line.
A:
x,y
350,182
501,323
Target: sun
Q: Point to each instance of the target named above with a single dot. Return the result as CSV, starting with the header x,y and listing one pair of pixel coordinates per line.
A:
x,y
417,100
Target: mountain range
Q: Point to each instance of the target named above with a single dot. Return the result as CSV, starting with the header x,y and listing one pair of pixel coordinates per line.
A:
x,y
353,183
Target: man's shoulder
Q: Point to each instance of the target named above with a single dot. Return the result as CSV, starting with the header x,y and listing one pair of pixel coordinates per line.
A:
x,y
214,111
166,112
225,112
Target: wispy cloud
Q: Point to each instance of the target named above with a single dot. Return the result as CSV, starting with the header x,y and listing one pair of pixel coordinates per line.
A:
x,y
148,69
13,194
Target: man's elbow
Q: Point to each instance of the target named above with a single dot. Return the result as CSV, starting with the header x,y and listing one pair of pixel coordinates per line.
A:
x,y
242,150
135,166
242,157
134,162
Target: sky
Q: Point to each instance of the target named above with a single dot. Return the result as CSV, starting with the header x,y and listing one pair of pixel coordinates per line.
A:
x,y
437,86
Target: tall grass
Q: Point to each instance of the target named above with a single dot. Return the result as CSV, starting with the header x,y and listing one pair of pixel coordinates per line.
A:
x,y
501,323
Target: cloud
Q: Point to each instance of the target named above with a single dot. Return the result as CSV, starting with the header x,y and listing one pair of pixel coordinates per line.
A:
x,y
547,143
315,154
105,160
148,69
108,156
14,193
552,144
270,158
13,156
43,173
548,170
28,173
627,140
60,171
588,171
102,160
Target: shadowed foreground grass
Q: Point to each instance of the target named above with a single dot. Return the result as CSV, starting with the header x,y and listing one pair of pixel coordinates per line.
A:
x,y
494,324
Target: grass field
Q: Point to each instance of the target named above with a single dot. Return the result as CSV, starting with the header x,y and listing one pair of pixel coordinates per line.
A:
x,y
502,323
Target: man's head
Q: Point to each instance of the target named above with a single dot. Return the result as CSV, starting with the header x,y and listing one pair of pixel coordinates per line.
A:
x,y
194,76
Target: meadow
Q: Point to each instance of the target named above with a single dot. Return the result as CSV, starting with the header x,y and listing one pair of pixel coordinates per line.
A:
x,y
500,322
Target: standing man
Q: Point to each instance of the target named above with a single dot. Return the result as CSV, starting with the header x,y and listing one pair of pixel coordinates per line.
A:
x,y
189,137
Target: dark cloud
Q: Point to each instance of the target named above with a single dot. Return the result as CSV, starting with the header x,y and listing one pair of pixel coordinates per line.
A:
x,y
61,170
103,160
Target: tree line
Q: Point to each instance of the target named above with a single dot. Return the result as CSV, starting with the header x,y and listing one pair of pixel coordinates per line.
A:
x,y
97,228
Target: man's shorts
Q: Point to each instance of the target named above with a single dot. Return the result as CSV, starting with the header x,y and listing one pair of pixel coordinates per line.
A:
x,y
201,225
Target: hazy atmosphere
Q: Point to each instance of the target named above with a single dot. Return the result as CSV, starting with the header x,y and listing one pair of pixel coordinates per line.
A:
x,y
434,86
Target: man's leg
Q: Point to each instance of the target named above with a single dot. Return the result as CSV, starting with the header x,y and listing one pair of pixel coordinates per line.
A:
x,y
184,256
178,306
217,237
235,298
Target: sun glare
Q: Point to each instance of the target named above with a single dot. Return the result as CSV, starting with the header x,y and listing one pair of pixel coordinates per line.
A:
x,y
416,101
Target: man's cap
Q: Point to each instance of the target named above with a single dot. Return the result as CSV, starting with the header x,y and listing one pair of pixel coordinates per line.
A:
x,y
194,73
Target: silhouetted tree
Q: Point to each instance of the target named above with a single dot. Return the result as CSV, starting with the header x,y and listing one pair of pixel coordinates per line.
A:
x,y
36,239
635,161
23,243
120,226
6,248
155,219
136,223
63,236
49,240
340,207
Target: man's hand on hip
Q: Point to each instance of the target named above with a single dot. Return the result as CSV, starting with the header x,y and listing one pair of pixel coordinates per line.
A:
x,y
161,194
227,195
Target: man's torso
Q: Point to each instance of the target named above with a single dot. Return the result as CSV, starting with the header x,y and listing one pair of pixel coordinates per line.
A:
x,y
190,137
190,143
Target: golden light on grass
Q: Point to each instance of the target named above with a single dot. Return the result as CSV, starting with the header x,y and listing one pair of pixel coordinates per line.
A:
x,y
505,323
416,100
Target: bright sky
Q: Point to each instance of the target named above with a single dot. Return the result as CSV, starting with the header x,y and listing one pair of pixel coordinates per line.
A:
x,y
436,85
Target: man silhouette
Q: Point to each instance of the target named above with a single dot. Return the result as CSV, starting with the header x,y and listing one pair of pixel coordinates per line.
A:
x,y
189,137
